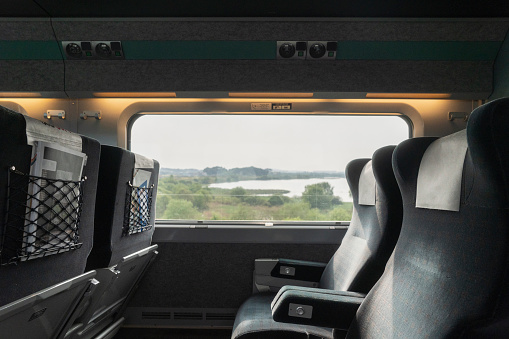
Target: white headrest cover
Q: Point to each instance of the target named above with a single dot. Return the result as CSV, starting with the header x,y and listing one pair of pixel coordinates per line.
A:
x,y
38,131
142,162
367,186
440,173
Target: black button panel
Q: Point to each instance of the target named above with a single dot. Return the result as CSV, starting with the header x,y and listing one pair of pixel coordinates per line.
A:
x,y
302,46
291,50
308,50
93,50
332,46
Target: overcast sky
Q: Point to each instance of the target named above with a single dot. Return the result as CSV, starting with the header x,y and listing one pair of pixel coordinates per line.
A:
x,y
301,143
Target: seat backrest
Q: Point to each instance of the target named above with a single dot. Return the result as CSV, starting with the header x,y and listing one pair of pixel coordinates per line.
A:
x,y
447,276
124,224
20,277
374,228
121,172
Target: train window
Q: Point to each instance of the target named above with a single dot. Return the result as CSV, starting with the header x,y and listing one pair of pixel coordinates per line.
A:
x,y
265,167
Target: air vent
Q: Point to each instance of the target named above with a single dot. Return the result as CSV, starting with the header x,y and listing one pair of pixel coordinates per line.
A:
x,y
156,315
187,316
219,316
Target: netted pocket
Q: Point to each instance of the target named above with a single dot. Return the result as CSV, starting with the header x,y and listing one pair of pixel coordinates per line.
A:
x,y
43,217
137,209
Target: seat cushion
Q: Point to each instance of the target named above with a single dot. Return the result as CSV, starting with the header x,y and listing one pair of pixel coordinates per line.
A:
x,y
254,320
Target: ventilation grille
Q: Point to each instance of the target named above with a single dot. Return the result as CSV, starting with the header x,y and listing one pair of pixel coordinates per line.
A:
x,y
156,315
187,316
219,316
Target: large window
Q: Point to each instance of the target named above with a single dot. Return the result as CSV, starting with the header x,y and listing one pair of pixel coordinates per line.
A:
x,y
259,167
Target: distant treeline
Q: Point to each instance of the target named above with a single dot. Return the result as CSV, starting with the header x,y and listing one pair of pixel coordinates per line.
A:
x,y
222,174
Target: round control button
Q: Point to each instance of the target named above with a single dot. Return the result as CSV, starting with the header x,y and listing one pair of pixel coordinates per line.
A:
x,y
74,50
287,270
287,50
317,50
103,50
300,310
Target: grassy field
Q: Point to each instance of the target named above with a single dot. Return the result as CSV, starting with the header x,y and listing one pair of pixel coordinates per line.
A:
x,y
191,198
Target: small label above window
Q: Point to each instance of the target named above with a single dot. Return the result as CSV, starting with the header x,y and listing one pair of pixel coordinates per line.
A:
x,y
281,107
261,106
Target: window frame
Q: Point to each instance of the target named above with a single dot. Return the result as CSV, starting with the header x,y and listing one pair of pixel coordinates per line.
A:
x,y
218,225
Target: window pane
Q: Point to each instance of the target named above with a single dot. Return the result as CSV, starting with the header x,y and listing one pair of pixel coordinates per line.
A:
x,y
248,167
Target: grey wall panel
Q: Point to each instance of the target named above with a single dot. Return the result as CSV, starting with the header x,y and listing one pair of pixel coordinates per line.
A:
x,y
274,75
501,72
212,275
26,29
31,75
283,29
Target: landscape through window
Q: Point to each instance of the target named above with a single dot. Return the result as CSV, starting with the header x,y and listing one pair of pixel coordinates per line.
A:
x,y
259,167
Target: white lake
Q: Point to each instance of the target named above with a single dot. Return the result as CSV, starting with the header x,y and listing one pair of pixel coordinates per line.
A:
x,y
295,186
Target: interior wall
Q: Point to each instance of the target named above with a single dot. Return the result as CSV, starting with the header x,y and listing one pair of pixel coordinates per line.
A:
x,y
428,117
501,72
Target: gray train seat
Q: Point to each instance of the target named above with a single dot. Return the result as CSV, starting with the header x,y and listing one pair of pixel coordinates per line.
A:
x,y
356,265
48,179
124,224
448,274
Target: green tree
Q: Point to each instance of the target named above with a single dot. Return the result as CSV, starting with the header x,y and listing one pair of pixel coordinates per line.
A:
x,y
242,212
201,199
180,209
320,196
276,200
161,203
238,192
340,213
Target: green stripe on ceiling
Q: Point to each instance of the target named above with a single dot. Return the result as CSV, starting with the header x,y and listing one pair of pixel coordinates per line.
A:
x,y
418,50
266,50
199,50
30,50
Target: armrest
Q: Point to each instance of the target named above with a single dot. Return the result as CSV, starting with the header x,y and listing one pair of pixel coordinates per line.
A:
x,y
315,306
275,273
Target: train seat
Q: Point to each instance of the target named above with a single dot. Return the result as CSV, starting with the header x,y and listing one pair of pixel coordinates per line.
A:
x,y
448,274
124,224
359,260
48,179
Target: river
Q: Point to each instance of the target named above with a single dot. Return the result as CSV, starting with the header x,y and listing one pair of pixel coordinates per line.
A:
x,y
295,186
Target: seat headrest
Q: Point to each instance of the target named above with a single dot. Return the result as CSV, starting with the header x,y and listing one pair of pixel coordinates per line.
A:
x,y
142,162
440,173
367,185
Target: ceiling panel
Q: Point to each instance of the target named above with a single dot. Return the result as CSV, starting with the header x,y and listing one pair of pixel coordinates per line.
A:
x,y
21,8
271,8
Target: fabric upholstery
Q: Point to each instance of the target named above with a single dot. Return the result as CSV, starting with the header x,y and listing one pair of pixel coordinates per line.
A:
x,y
373,231
362,255
115,171
448,275
17,281
256,314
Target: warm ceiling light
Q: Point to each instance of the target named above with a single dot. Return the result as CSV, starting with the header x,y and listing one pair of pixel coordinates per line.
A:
x,y
408,95
20,95
270,95
135,95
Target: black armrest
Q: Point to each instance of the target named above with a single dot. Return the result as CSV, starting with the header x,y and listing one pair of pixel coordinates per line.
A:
x,y
298,270
290,269
315,306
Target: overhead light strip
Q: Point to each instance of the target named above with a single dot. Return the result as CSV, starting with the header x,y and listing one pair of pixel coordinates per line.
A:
x,y
135,94
20,95
269,95
408,95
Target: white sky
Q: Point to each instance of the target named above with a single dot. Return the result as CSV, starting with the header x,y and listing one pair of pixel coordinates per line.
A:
x,y
300,143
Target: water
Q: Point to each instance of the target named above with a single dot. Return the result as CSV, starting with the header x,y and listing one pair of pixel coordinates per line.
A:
x,y
295,186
